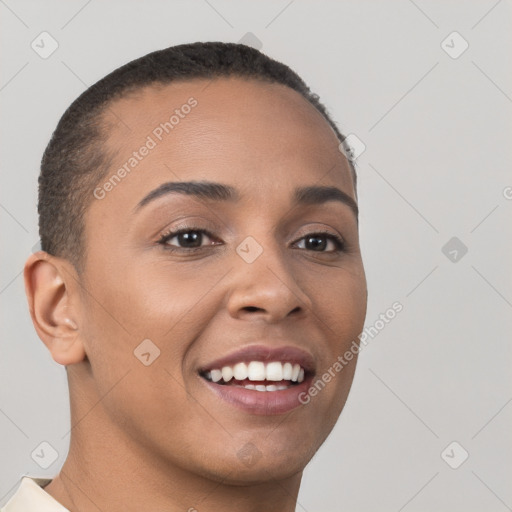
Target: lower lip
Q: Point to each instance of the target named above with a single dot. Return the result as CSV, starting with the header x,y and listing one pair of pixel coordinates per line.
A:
x,y
261,402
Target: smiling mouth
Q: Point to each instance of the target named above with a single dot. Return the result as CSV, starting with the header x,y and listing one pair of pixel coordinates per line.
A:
x,y
257,375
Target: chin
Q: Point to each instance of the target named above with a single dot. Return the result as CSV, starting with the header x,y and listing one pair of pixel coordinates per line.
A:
x,y
251,466
261,472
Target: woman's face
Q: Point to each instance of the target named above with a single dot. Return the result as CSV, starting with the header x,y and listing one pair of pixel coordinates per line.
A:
x,y
255,280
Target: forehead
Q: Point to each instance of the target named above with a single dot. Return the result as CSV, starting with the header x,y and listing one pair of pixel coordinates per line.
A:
x,y
262,138
231,99
231,116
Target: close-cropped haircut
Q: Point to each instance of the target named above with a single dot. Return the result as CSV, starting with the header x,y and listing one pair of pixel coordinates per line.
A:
x,y
76,158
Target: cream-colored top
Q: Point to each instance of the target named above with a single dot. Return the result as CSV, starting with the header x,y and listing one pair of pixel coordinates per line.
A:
x,y
31,497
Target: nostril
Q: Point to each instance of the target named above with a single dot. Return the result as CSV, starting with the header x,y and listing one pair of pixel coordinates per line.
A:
x,y
252,308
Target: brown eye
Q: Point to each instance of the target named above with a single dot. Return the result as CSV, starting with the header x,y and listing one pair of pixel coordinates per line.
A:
x,y
189,239
185,239
318,242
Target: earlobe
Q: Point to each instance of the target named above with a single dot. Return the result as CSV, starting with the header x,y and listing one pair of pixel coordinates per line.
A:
x,y
54,306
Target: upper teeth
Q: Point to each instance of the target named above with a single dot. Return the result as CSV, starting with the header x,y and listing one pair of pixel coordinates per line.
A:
x,y
257,370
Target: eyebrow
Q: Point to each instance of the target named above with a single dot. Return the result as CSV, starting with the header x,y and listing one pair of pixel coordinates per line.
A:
x,y
214,191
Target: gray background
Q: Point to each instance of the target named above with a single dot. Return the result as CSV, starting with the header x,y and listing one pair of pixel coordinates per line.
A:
x,y
437,131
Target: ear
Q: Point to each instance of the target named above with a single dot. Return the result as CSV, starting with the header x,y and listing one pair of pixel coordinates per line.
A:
x,y
51,286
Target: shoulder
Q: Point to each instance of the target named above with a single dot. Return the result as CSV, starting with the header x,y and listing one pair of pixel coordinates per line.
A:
x,y
30,496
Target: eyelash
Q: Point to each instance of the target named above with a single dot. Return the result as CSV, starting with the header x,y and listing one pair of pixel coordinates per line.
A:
x,y
337,240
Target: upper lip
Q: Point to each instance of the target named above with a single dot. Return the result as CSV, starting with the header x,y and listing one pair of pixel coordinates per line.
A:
x,y
288,353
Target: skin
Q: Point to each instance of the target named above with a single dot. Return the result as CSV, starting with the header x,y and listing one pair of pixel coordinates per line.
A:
x,y
155,437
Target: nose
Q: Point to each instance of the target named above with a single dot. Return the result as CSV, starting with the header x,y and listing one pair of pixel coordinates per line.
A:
x,y
267,288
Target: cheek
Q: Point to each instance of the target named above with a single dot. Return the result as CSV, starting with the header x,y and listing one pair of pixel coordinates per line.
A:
x,y
125,306
342,311
342,303
143,299
122,313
